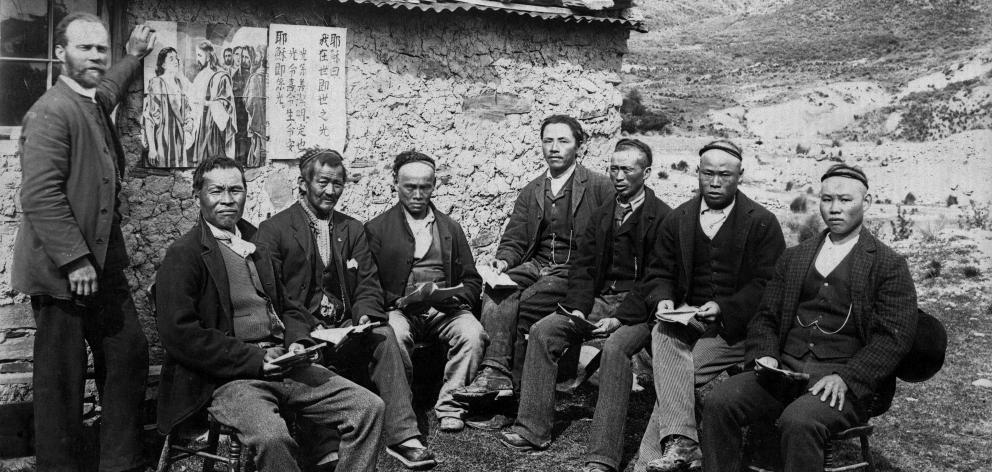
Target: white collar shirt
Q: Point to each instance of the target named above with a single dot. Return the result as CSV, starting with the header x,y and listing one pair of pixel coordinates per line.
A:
x,y
232,240
634,204
831,254
558,182
712,220
76,87
423,234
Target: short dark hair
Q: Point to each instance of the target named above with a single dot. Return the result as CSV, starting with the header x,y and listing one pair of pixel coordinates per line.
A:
x,y
215,162
637,145
162,54
577,132
226,50
320,156
60,38
407,157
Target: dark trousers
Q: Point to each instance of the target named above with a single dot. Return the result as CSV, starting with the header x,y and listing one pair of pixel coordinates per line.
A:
x,y
804,421
109,324
507,315
549,338
377,357
325,400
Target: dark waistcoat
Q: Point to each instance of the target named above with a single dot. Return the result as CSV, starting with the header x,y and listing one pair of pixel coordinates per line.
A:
x,y
624,266
713,274
825,302
556,238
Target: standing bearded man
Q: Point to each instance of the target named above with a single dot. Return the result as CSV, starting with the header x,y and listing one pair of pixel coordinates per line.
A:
x,y
70,255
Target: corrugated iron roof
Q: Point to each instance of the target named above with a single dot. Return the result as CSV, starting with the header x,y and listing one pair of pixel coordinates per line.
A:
x,y
545,13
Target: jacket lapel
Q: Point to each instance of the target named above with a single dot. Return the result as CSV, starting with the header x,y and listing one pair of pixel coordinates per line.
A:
x,y
861,264
539,194
687,237
578,186
649,210
214,262
805,255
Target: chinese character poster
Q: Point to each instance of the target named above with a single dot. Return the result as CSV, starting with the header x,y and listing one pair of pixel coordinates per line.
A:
x,y
306,89
205,94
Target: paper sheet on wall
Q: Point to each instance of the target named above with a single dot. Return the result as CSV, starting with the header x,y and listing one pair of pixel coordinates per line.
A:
x,y
306,89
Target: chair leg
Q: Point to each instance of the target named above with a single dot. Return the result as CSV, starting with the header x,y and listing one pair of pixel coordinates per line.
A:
x,y
828,455
234,454
213,436
866,453
163,458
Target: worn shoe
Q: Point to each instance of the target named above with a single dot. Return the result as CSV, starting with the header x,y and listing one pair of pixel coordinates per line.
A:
x,y
681,454
517,442
450,424
492,423
414,458
597,467
490,383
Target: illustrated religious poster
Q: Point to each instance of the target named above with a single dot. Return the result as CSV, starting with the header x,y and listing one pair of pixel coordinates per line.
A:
x,y
306,89
205,94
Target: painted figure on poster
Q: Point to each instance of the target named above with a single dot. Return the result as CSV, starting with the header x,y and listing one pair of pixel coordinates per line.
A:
x,y
166,115
255,107
243,65
213,87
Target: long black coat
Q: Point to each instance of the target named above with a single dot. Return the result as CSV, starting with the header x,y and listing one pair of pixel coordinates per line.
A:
x,y
883,306
195,324
757,245
392,245
290,242
588,274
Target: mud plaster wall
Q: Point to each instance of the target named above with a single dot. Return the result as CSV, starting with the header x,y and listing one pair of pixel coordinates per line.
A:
x,y
469,89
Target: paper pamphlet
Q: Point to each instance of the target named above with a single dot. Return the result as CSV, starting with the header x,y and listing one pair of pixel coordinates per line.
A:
x,y
291,358
783,373
495,279
428,292
336,335
682,315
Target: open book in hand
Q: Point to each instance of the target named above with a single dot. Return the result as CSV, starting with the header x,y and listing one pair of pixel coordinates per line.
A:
x,y
785,374
292,358
494,279
336,335
428,293
683,315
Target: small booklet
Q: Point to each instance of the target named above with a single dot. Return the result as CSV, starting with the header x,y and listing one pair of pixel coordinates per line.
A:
x,y
428,293
785,374
336,335
496,280
683,315
291,358
582,322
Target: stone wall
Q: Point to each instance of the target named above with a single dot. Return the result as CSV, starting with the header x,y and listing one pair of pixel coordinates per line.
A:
x,y
468,88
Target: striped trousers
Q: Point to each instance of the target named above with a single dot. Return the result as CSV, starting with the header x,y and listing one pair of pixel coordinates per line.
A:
x,y
682,360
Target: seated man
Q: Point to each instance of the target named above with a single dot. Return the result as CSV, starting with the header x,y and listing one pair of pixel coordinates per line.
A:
x,y
218,321
415,244
611,259
714,256
840,308
330,279
536,252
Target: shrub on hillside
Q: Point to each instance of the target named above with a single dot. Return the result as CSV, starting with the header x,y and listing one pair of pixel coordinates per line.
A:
x,y
799,204
902,225
951,200
975,216
662,175
681,166
637,118
971,271
932,270
808,227
910,199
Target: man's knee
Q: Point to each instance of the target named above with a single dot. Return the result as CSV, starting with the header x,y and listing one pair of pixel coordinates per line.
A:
x,y
470,336
273,435
800,417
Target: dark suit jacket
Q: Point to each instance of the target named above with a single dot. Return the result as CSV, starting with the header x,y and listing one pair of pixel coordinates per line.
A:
x,y
292,246
757,245
195,324
392,242
883,306
592,266
590,190
68,183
